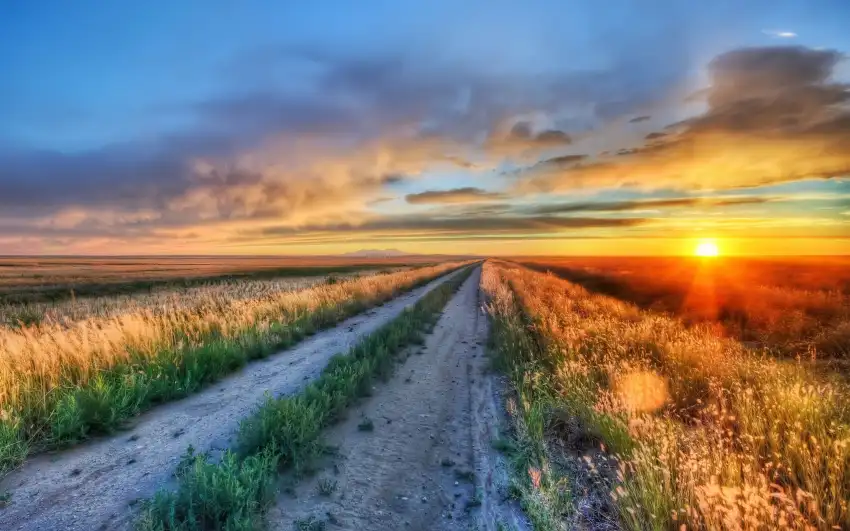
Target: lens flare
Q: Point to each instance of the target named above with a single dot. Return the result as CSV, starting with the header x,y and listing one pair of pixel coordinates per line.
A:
x,y
642,391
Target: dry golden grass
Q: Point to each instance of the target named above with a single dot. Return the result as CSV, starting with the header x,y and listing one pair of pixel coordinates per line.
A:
x,y
48,355
706,434
68,271
792,306
160,300
121,358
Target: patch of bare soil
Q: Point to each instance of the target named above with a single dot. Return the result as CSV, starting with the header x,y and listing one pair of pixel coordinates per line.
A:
x,y
417,454
97,485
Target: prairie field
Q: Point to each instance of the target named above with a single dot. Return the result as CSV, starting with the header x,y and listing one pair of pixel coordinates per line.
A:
x,y
51,279
166,298
82,367
517,396
628,418
798,307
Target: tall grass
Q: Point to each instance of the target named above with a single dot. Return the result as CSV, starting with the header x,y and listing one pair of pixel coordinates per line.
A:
x,y
156,301
286,432
61,383
791,307
704,433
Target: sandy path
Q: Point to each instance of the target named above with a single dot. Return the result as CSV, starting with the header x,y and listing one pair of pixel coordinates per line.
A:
x,y
95,485
428,463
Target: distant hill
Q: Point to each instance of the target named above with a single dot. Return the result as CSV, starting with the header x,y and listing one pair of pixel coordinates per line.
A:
x,y
376,253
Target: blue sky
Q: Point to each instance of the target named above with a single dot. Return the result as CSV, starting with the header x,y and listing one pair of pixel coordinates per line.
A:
x,y
305,127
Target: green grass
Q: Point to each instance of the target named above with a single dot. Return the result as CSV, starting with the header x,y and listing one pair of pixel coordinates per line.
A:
x,y
541,488
286,432
73,413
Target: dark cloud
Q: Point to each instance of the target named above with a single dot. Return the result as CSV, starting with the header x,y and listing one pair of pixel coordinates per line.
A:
x,y
655,136
553,136
563,160
393,178
638,119
461,225
776,90
774,115
456,195
625,206
523,131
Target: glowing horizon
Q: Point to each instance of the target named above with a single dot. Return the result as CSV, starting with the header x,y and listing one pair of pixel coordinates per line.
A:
x,y
299,132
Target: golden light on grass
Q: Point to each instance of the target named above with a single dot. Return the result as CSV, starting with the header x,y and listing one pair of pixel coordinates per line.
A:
x,y
737,441
642,391
707,248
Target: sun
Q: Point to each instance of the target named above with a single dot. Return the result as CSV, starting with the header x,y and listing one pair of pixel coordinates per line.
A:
x,y
707,248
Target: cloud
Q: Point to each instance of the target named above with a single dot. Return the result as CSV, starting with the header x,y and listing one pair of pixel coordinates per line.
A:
x,y
248,154
638,119
563,160
436,225
336,140
455,195
625,206
773,115
780,34
522,140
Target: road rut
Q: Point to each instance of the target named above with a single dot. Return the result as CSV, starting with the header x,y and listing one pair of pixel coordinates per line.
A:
x,y
97,484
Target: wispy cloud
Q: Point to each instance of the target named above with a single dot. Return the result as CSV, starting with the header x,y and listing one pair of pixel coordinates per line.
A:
x,y
455,195
780,34
626,206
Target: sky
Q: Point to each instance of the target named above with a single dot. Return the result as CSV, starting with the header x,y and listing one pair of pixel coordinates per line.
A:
x,y
448,126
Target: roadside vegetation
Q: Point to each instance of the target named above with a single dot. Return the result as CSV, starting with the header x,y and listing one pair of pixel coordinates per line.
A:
x,y
286,432
791,307
61,383
50,280
161,300
625,418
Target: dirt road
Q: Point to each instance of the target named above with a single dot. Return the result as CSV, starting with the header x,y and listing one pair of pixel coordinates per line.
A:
x,y
95,485
427,461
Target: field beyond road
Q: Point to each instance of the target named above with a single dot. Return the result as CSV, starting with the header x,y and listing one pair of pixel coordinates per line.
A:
x,y
794,307
48,279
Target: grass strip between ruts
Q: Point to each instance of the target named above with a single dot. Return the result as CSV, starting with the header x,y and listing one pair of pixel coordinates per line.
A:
x,y
286,432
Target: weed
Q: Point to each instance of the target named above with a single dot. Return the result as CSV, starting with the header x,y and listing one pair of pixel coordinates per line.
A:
x,y
504,445
229,495
310,524
366,424
326,486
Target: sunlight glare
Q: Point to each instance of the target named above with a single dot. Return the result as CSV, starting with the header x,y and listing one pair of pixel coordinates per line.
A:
x,y
707,248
